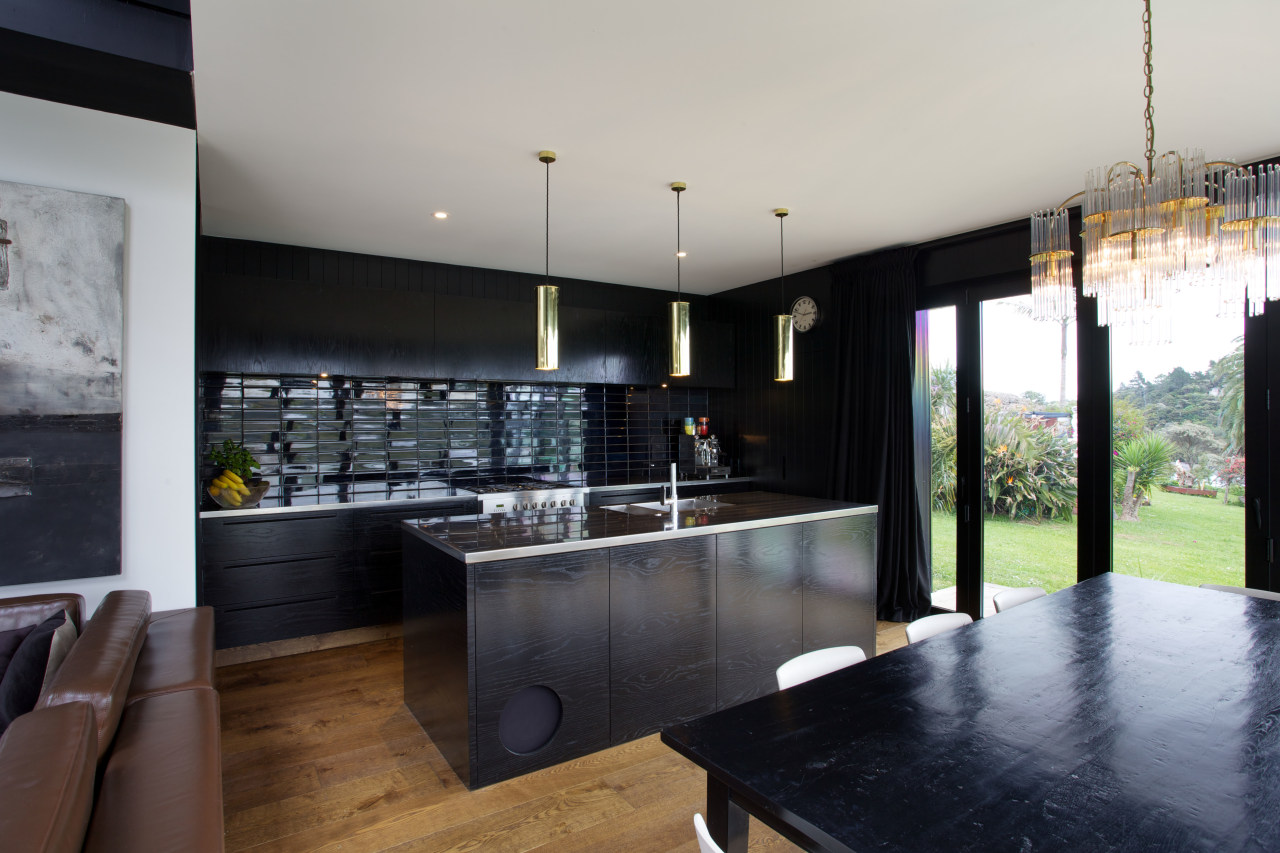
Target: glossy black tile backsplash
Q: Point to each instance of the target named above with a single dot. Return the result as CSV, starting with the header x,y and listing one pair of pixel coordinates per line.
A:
x,y
343,439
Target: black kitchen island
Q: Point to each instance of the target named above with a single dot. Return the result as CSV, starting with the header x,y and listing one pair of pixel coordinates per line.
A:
x,y
535,638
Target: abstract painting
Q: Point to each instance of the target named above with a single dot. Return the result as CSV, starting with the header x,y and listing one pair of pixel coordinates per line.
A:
x,y
61,353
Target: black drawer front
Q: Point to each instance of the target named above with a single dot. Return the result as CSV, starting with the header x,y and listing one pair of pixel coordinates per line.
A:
x,y
255,537
241,626
279,580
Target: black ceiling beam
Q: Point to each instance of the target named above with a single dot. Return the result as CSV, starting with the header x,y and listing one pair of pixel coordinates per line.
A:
x,y
68,74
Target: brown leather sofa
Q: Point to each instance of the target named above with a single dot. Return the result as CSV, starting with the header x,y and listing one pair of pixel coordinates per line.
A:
x,y
122,751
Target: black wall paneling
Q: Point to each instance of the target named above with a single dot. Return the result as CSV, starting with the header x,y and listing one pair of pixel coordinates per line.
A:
x,y
264,308
778,433
50,70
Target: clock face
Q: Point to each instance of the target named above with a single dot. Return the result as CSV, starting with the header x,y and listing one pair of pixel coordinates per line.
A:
x,y
804,314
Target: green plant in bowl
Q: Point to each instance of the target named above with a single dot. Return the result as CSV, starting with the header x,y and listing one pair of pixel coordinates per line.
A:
x,y
235,487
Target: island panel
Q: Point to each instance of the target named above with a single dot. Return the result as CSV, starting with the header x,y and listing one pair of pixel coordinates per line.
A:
x,y
759,592
840,583
541,622
662,612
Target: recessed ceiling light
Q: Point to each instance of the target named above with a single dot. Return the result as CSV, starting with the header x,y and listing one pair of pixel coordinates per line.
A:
x,y
440,214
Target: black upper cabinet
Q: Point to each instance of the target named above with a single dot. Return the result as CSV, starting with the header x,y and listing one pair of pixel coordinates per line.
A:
x,y
261,325
280,309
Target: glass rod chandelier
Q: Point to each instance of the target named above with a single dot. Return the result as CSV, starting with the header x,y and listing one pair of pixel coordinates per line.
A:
x,y
1183,222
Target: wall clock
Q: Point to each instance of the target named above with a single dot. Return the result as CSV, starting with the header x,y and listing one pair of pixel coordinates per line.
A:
x,y
804,314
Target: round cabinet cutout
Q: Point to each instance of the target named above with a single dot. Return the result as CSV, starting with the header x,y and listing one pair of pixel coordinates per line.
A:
x,y
529,720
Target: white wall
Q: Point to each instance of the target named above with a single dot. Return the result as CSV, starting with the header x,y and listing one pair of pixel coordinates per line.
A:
x,y
153,168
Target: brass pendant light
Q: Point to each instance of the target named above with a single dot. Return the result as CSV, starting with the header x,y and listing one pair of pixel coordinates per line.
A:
x,y
783,336
548,294
681,361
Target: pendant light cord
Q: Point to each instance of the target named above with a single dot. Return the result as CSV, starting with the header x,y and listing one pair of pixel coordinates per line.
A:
x,y
678,290
782,266
547,273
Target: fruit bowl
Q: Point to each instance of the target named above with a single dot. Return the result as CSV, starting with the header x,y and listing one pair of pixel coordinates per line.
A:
x,y
257,488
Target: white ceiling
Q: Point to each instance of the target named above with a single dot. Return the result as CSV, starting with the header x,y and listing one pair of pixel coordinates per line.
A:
x,y
345,125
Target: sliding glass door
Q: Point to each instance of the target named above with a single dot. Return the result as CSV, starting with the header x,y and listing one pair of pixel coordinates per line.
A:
x,y
1029,449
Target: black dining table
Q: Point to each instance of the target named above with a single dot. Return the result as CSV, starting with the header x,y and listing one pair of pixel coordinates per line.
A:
x,y
1118,714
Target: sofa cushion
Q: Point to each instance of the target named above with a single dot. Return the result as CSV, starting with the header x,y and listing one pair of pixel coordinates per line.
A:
x,y
177,655
9,642
33,609
162,789
32,663
100,665
48,760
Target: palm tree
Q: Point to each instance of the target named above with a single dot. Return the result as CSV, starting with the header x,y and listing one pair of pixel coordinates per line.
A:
x,y
1228,373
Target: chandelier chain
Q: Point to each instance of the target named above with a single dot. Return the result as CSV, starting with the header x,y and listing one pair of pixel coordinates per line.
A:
x,y
1151,113
678,290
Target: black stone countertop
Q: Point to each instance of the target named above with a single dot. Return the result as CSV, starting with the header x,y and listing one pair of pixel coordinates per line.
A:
x,y
484,538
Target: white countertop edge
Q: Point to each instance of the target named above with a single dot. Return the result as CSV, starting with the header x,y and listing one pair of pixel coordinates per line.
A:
x,y
280,510
635,538
462,493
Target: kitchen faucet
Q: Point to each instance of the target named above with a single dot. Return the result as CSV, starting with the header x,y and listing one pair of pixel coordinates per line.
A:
x,y
673,499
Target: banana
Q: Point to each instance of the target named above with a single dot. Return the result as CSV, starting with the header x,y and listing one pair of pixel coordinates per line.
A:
x,y
234,498
232,476
215,490
222,482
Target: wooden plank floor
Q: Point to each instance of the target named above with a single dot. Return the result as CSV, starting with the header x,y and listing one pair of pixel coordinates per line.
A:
x,y
320,754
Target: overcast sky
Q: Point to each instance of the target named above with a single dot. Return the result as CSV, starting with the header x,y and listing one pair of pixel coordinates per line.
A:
x,y
1020,354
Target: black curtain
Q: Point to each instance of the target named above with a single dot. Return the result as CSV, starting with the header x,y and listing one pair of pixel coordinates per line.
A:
x,y
874,300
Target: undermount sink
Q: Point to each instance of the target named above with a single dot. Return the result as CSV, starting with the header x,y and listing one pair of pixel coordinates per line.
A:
x,y
660,508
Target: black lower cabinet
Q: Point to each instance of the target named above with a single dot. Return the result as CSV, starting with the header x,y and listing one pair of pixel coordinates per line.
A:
x,y
275,576
662,638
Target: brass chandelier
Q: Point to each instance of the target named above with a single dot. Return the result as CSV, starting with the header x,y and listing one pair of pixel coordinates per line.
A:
x,y
1184,222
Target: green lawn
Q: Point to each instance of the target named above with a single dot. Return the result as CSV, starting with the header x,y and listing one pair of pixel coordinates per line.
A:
x,y
1179,538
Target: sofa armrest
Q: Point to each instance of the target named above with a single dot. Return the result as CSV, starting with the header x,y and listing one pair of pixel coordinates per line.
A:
x,y
177,654
34,609
99,667
48,761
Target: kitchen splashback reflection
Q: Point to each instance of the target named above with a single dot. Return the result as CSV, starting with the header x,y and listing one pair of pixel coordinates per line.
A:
x,y
342,439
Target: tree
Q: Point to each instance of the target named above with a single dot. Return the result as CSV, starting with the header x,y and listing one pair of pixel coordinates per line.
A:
x,y
1127,422
1228,373
1231,473
1035,398
1192,441
1139,464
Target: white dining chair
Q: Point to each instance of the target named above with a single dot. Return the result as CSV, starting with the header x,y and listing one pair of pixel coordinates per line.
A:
x,y
809,665
1243,590
1006,598
705,844
923,629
